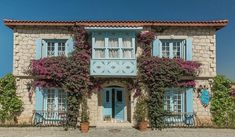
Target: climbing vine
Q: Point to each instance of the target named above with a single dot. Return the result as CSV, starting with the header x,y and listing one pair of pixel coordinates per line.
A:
x,y
10,104
157,74
70,73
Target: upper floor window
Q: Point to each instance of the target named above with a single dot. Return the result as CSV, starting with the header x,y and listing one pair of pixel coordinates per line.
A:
x,y
173,48
113,46
53,47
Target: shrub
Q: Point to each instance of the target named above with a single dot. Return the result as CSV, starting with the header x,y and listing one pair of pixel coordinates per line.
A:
x,y
10,103
141,109
222,104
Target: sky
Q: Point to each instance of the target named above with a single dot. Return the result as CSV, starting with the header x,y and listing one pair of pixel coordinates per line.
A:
x,y
169,10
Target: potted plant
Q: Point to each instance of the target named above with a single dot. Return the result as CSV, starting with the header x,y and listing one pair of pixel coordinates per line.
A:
x,y
84,125
141,113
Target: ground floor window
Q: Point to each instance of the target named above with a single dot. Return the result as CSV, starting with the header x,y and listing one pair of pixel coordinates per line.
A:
x,y
54,100
174,100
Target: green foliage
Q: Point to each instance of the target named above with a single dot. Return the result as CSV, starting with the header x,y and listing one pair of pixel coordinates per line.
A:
x,y
85,113
10,103
70,73
141,109
222,104
157,74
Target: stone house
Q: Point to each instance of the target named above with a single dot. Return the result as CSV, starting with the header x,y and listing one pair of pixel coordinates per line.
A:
x,y
114,44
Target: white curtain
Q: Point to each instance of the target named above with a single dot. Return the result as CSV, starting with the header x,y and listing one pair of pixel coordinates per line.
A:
x,y
99,53
113,42
127,53
126,43
113,53
99,43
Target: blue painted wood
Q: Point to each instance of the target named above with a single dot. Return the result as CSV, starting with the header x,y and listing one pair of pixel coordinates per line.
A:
x,y
56,49
69,46
189,50
38,48
39,99
107,102
205,97
189,104
189,99
119,104
114,67
44,49
156,48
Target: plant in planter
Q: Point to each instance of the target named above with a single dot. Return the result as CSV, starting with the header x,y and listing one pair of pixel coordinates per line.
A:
x,y
84,125
141,113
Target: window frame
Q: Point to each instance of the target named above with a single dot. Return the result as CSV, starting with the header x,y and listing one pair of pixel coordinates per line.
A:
x,y
119,36
172,92
56,47
56,99
183,46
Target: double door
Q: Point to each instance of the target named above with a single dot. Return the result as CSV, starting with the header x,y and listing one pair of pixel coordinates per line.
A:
x,y
113,101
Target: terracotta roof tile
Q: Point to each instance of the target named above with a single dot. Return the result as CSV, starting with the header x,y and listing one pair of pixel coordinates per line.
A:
x,y
108,23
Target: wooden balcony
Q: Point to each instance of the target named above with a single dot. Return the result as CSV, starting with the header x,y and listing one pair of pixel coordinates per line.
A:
x,y
113,67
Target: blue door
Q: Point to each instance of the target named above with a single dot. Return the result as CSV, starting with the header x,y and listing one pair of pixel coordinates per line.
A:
x,y
107,103
119,104
113,101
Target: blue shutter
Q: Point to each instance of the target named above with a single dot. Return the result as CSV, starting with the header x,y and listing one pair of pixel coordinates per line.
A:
x,y
44,49
69,47
156,47
189,106
189,49
38,44
39,99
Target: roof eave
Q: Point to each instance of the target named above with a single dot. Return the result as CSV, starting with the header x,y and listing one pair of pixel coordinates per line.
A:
x,y
216,24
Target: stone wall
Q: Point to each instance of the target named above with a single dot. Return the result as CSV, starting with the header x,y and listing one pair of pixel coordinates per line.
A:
x,y
204,52
204,46
23,53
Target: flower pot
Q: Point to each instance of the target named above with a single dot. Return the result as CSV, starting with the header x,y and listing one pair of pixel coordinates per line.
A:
x,y
84,127
143,126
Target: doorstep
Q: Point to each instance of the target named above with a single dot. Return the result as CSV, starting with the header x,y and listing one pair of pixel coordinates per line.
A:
x,y
114,125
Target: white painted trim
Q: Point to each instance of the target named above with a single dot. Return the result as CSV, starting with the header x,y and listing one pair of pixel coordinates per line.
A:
x,y
172,37
113,28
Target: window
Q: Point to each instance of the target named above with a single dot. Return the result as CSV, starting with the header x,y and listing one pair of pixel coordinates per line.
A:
x,y
107,96
113,46
173,48
174,100
54,47
55,100
119,96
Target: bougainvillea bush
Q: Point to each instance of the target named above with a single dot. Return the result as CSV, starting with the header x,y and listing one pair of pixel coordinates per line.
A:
x,y
69,73
146,38
161,73
72,74
157,74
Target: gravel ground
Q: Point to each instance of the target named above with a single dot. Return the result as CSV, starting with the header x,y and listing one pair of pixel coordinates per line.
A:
x,y
129,132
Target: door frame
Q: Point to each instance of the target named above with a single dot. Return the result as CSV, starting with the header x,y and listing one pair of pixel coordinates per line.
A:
x,y
124,94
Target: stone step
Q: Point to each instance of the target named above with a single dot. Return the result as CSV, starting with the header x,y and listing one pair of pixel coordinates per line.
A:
x,y
114,125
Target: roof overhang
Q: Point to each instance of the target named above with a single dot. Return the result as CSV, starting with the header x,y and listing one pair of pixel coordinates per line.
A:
x,y
113,28
215,23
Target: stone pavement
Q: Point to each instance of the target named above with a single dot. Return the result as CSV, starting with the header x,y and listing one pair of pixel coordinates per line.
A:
x,y
111,132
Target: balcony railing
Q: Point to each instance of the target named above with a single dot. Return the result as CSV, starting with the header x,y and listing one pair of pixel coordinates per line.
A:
x,y
180,119
49,118
113,67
